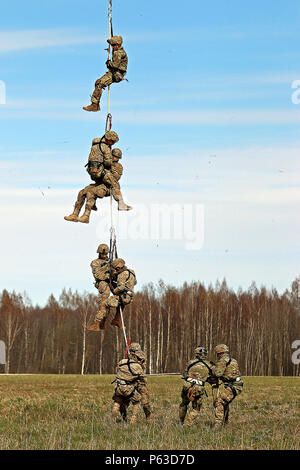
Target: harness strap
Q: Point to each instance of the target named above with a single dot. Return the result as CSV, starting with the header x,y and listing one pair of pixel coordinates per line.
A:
x,y
193,364
206,365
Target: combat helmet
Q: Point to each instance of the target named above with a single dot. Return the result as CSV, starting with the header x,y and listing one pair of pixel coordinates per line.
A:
x,y
103,249
221,348
200,351
117,153
115,41
134,347
111,135
118,263
139,355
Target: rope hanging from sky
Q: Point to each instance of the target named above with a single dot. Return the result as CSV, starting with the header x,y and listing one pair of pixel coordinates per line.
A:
x,y
108,125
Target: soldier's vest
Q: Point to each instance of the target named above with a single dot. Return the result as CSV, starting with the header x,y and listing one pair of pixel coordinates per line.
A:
x,y
198,369
232,375
130,282
100,269
128,372
96,162
124,60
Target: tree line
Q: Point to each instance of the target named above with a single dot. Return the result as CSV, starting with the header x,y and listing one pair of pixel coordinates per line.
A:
x,y
258,325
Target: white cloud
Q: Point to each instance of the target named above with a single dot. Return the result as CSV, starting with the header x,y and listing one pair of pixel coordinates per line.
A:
x,y
32,39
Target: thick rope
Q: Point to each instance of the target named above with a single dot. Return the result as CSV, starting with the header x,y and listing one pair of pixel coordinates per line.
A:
x,y
109,36
108,127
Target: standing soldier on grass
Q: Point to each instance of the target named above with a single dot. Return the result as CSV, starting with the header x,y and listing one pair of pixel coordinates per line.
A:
x,y
142,384
197,372
227,371
130,373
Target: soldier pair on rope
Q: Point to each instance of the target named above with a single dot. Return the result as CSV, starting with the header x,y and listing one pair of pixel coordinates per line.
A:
x,y
111,278
105,170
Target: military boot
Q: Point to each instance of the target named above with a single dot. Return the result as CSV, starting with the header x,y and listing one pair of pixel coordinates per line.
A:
x,y
74,216
135,410
182,412
117,320
115,411
92,107
117,195
148,417
96,326
122,206
85,218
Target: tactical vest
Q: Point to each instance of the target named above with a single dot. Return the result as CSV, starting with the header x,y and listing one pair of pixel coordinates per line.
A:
x,y
128,371
100,269
122,67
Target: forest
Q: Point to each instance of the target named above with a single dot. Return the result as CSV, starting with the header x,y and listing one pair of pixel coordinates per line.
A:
x,y
259,326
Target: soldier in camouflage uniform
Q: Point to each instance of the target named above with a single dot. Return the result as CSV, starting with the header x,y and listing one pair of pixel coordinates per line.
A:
x,y
111,179
124,280
100,161
227,371
101,272
142,384
117,68
197,372
129,373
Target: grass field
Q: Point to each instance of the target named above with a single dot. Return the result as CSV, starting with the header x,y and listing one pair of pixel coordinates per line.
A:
x,y
73,412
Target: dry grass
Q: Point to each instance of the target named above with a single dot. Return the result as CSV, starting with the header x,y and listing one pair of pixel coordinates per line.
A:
x,y
73,412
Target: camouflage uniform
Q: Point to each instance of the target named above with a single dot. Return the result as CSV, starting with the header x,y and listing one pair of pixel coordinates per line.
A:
x,y
142,383
100,159
227,370
196,373
125,280
129,373
123,293
101,272
117,69
111,179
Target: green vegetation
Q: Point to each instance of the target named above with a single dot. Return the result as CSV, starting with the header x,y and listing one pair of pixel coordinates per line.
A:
x,y
73,412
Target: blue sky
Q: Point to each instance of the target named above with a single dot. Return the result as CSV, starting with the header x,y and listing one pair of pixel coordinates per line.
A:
x,y
206,118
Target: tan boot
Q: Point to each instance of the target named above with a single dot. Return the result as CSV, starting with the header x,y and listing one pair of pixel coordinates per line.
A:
x,y
122,206
96,326
117,320
85,218
74,216
92,107
71,218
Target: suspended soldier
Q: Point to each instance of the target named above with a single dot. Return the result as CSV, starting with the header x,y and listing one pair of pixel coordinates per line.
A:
x,y
124,280
130,373
101,272
117,68
196,374
100,160
227,371
142,384
111,179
